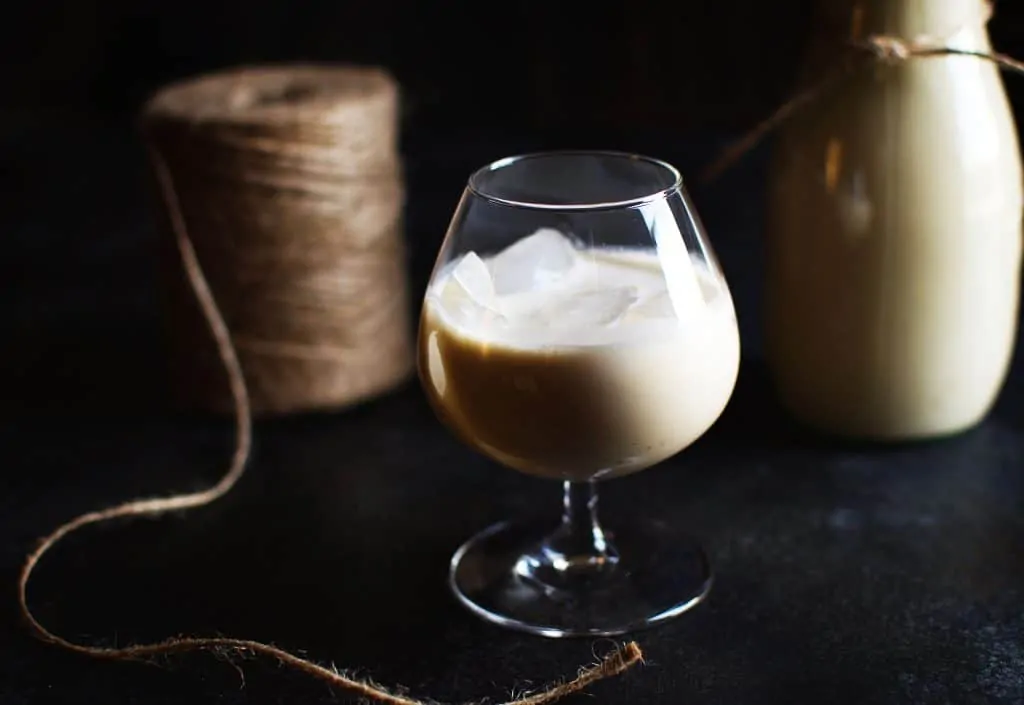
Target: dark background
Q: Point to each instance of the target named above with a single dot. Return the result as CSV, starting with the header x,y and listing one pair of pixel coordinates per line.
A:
x,y
649,63
845,575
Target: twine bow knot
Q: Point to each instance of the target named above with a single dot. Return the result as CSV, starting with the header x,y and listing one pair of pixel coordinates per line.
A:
x,y
889,49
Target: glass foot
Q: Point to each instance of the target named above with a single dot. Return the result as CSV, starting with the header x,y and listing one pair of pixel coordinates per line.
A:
x,y
545,583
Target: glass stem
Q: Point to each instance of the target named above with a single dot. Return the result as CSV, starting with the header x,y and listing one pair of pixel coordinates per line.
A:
x,y
577,553
579,518
579,548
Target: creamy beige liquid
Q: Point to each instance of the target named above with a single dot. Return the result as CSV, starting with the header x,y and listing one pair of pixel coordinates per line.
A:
x,y
894,236
554,398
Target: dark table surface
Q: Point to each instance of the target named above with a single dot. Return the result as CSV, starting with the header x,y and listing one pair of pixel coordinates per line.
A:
x,y
845,574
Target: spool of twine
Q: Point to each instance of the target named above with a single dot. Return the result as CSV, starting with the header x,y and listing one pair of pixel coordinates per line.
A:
x,y
289,180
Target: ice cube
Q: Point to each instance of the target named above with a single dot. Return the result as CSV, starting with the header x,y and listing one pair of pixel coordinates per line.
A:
x,y
533,262
599,307
475,279
470,290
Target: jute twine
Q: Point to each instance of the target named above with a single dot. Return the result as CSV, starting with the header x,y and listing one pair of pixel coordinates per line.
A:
x,y
616,662
863,53
290,181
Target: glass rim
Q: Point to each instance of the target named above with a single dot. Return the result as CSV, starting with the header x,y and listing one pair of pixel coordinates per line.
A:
x,y
660,194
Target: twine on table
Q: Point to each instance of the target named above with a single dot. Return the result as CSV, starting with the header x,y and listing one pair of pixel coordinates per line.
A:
x,y
615,663
875,48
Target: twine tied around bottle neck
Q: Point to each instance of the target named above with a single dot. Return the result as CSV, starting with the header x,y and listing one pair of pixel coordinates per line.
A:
x,y
227,347
870,51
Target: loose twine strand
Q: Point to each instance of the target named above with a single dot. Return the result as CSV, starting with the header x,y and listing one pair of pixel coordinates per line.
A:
x,y
878,47
613,664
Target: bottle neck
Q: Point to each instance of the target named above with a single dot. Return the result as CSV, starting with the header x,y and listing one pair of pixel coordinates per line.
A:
x,y
956,22
959,24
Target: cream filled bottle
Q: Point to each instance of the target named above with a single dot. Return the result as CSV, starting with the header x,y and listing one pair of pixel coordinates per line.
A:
x,y
894,231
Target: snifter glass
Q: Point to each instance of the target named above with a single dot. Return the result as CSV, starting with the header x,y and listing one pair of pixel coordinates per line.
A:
x,y
577,327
